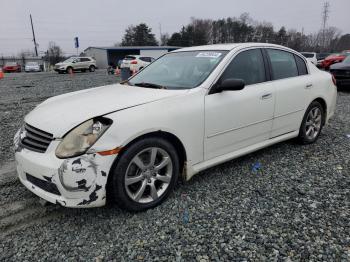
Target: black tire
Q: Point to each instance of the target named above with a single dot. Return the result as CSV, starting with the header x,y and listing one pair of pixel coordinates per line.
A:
x,y
118,172
69,70
303,138
92,68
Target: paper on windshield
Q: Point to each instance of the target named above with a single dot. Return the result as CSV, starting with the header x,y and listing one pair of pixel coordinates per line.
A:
x,y
209,54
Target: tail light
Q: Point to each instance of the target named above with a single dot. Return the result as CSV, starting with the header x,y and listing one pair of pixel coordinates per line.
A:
x,y
334,80
134,62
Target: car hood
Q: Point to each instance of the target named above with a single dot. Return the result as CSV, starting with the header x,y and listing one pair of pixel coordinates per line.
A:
x,y
61,64
343,66
59,114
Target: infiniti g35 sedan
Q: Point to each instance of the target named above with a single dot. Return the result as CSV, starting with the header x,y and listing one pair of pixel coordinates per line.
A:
x,y
189,110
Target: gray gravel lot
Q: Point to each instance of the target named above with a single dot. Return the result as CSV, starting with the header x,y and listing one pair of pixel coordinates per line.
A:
x,y
296,207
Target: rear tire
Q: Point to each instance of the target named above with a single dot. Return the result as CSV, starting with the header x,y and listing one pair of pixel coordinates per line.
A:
x,y
92,68
145,174
312,123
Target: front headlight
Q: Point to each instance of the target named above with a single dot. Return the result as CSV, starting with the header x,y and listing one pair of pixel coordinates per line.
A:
x,y
81,138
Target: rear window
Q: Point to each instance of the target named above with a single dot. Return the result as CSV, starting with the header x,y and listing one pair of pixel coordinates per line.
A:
x,y
308,55
283,64
129,57
146,59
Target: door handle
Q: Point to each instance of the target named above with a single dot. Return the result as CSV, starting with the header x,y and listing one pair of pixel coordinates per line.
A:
x,y
266,96
308,86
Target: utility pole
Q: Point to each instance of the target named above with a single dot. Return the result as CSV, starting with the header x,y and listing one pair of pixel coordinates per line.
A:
x,y
35,46
325,16
160,34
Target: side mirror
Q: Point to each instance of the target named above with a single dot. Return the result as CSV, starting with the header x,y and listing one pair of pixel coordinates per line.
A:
x,y
231,84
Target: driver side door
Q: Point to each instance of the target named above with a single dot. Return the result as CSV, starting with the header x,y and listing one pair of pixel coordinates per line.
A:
x,y
238,119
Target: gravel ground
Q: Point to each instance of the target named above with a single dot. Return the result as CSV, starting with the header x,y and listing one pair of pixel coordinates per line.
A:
x,y
294,206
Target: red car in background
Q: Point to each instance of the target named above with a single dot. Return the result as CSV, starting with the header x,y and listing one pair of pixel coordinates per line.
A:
x,y
11,67
334,58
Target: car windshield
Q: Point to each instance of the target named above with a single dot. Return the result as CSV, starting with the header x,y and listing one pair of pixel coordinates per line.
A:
x,y
308,55
179,70
11,64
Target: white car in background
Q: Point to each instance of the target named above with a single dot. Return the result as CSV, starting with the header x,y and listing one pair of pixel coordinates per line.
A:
x,y
310,56
191,109
73,64
32,67
136,62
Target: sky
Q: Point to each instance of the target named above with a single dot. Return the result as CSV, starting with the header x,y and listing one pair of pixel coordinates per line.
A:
x,y
103,22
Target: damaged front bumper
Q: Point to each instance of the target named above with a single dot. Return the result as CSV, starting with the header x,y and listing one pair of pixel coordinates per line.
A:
x,y
75,182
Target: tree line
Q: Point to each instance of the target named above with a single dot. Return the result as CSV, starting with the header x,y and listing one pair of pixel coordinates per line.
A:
x,y
235,30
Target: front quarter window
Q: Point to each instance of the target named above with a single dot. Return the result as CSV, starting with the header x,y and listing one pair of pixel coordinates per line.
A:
x,y
179,70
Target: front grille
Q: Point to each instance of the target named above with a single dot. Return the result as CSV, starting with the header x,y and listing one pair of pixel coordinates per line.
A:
x,y
35,139
44,185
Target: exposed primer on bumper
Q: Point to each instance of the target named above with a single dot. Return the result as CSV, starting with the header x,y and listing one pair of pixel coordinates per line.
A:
x,y
80,181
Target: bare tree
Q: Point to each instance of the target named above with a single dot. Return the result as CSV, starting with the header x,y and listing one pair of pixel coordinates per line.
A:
x,y
54,53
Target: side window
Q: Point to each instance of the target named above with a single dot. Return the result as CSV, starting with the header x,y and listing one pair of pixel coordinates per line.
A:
x,y
302,69
283,64
77,60
248,66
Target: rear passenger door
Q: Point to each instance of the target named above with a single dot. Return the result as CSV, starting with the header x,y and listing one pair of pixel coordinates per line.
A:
x,y
292,85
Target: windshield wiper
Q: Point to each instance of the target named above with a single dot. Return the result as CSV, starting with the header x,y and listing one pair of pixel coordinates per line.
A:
x,y
150,85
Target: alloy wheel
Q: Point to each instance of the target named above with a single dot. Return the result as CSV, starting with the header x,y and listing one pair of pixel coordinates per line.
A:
x,y
148,175
313,123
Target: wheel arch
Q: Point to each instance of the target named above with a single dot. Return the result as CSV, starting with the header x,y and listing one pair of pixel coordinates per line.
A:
x,y
173,139
324,105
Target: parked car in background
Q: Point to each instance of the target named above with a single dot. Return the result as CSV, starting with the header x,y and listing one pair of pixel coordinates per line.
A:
x,y
334,58
136,62
32,67
310,56
320,57
11,67
76,64
341,72
191,109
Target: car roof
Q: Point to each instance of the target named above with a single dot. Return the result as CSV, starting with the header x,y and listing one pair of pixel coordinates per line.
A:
x,y
228,47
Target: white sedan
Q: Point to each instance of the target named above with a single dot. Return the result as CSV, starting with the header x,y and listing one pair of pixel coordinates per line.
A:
x,y
189,110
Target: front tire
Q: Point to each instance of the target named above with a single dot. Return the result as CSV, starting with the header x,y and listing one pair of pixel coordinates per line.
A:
x,y
92,68
312,124
145,174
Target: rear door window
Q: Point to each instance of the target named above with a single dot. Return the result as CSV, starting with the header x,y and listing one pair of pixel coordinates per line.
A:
x,y
302,69
283,64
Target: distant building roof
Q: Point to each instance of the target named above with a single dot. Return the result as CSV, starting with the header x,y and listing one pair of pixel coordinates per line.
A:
x,y
133,47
